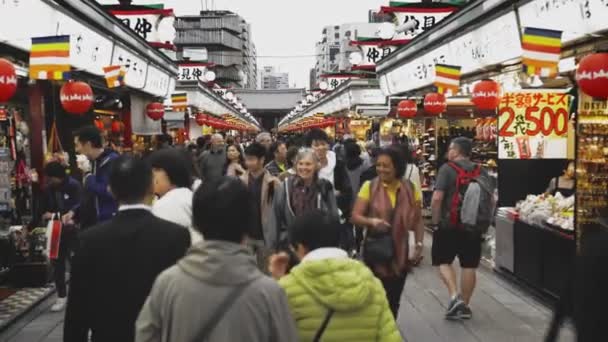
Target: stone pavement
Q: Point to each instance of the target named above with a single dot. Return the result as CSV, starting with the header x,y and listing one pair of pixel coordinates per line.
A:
x,y
502,313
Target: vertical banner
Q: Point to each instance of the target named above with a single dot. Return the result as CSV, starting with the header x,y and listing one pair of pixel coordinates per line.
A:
x,y
533,125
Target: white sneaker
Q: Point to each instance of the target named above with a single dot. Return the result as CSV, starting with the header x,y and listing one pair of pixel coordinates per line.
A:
x,y
59,305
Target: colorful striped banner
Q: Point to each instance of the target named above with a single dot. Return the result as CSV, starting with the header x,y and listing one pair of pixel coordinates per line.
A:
x,y
541,51
115,75
179,102
50,58
447,77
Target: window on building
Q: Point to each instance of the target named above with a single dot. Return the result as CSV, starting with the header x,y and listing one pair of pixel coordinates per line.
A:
x,y
337,35
337,27
348,33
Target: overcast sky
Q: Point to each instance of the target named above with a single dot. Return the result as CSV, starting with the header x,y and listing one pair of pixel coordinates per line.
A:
x,y
283,27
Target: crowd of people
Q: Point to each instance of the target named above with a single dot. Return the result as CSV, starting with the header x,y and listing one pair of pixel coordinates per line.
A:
x,y
262,240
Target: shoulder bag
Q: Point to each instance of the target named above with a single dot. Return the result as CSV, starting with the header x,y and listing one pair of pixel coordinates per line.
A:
x,y
378,248
323,326
224,307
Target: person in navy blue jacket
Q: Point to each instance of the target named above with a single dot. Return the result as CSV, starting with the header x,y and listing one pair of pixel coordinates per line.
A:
x,y
98,204
61,195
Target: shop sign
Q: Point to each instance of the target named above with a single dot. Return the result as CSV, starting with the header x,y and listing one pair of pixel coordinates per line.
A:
x,y
136,67
5,179
191,72
533,125
367,96
591,110
157,82
423,20
221,92
372,54
89,50
575,18
148,24
335,82
493,43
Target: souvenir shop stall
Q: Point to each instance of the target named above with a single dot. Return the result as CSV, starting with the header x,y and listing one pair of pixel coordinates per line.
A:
x,y
105,75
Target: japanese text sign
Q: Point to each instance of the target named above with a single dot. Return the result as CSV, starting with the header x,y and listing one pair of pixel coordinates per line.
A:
x,y
422,19
372,54
191,72
147,23
533,125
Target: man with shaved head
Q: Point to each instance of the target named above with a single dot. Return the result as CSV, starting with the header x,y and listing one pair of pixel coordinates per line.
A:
x,y
212,162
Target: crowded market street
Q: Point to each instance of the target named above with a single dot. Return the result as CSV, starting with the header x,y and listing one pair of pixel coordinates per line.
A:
x,y
315,171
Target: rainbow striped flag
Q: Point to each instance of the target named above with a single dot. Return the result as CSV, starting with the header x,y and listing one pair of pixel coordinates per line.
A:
x,y
542,50
50,58
179,102
447,77
115,75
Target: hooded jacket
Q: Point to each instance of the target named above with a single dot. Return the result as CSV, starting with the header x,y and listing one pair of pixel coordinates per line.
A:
x,y
361,310
189,293
176,206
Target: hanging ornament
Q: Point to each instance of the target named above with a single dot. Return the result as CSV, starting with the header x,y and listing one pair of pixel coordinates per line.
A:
x,y
486,95
8,80
435,103
407,109
155,111
201,119
76,97
592,75
117,126
99,124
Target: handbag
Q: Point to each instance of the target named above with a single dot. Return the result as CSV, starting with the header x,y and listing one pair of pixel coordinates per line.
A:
x,y
378,247
53,237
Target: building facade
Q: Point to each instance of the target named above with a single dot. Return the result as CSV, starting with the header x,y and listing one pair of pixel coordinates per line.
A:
x,y
272,79
228,40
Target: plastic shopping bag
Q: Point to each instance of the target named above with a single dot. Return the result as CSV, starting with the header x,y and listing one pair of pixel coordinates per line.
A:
x,y
53,237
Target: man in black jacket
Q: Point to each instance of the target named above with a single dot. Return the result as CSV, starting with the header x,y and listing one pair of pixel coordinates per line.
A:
x,y
117,261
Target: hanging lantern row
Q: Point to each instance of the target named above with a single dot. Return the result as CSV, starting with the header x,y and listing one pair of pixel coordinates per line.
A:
x,y
592,75
435,103
407,109
155,111
309,123
486,95
217,123
76,97
8,80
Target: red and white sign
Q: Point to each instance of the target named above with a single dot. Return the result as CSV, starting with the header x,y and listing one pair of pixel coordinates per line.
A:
x,y
153,25
533,125
422,19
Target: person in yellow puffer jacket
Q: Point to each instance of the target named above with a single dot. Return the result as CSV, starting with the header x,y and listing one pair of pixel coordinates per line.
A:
x,y
328,286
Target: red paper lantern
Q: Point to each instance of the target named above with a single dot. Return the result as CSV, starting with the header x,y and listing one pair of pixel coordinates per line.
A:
x,y
99,124
201,119
407,109
592,75
155,111
486,95
8,80
435,103
76,97
116,126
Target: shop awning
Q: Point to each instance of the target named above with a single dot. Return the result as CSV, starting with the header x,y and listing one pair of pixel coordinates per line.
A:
x,y
97,40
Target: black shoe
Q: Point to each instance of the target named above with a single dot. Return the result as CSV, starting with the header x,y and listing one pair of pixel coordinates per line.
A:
x,y
465,312
454,308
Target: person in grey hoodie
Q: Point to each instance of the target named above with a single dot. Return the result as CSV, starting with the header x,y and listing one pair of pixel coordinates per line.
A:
x,y
216,292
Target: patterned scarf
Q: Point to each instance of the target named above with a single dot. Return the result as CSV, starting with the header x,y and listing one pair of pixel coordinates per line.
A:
x,y
403,218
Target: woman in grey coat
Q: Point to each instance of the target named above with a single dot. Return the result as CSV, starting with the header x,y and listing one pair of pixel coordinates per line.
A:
x,y
301,193
216,292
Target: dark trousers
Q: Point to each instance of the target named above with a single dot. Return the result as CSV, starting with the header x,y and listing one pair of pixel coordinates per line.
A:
x,y
66,244
394,288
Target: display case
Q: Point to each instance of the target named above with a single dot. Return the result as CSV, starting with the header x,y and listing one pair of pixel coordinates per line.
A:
x,y
591,162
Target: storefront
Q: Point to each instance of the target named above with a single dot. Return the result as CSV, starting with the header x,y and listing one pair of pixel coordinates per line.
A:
x,y
44,113
532,133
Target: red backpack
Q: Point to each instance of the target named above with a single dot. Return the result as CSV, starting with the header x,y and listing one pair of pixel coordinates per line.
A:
x,y
463,179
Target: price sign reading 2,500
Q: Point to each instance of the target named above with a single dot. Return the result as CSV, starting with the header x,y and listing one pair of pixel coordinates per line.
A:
x,y
546,121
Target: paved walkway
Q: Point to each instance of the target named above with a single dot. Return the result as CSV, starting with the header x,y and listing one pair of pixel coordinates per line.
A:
x,y
502,313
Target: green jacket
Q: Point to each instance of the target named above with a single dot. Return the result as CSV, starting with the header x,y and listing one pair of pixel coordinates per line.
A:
x,y
361,310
